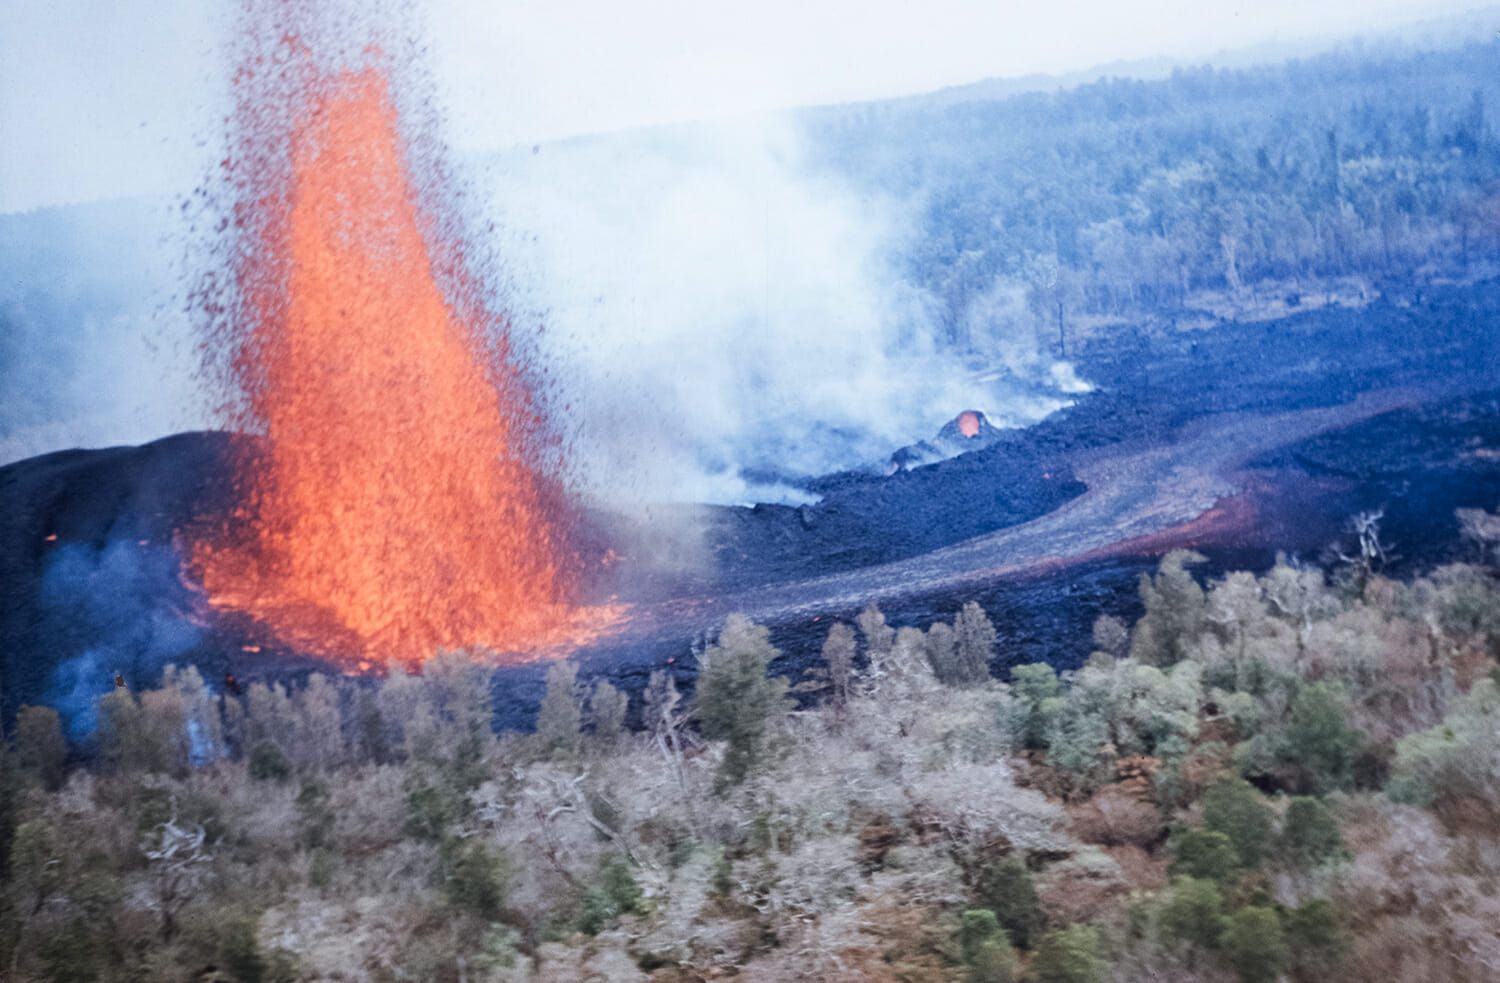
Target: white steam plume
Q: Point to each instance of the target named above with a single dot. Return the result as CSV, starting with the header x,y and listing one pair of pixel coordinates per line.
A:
x,y
712,307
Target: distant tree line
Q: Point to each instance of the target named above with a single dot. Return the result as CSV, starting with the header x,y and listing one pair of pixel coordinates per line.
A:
x,y
1126,197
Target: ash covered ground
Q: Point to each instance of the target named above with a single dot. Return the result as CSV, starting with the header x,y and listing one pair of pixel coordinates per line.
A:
x,y
1239,440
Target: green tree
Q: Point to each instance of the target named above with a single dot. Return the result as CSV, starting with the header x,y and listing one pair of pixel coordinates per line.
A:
x,y
372,738
1255,945
267,763
1077,738
1317,938
1194,913
559,722
149,734
1320,744
838,658
987,953
41,751
1233,807
1111,637
315,815
1006,888
975,638
879,637
1309,833
1038,692
1174,611
737,699
1204,854
1074,954
941,645
607,708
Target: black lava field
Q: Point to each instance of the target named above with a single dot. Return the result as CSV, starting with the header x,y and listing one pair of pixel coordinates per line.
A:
x,y
1239,440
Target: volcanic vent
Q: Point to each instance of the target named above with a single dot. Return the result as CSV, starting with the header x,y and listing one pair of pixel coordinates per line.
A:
x,y
400,500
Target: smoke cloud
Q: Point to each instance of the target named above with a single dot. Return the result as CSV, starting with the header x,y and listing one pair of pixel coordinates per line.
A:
x,y
119,608
717,314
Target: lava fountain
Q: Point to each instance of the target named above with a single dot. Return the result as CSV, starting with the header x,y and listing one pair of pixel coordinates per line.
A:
x,y
398,502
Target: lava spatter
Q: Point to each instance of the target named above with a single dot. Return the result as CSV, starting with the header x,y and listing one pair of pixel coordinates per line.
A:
x,y
396,504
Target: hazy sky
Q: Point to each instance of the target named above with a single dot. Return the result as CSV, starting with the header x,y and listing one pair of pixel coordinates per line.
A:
x,y
117,97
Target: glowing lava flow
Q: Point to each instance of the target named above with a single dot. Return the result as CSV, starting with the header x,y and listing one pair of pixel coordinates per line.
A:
x,y
394,507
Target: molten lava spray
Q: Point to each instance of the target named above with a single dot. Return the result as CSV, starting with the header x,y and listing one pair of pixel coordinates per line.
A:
x,y
397,504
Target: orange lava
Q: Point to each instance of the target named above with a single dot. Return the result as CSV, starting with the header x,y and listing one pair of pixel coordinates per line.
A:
x,y
393,509
968,423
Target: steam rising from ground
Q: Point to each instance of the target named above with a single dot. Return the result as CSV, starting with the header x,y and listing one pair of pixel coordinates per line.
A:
x,y
714,308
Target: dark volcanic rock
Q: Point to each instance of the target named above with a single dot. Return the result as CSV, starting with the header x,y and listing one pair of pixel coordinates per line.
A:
x,y
863,519
91,577
91,542
969,431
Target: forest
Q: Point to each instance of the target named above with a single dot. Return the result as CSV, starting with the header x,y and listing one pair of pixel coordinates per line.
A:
x,y
1286,776
1213,192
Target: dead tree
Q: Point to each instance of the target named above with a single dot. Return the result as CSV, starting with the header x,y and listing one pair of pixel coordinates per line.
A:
x,y
176,859
1373,553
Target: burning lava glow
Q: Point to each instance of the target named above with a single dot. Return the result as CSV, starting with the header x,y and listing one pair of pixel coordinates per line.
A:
x,y
396,504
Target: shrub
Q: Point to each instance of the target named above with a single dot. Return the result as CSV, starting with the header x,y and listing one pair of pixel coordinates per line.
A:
x,y
1007,889
268,764
239,950
1255,946
1038,693
429,812
1205,855
1309,833
1078,744
314,815
1233,807
1114,816
1320,745
1317,938
70,953
617,893
987,953
1070,955
1194,913
474,878
1455,765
